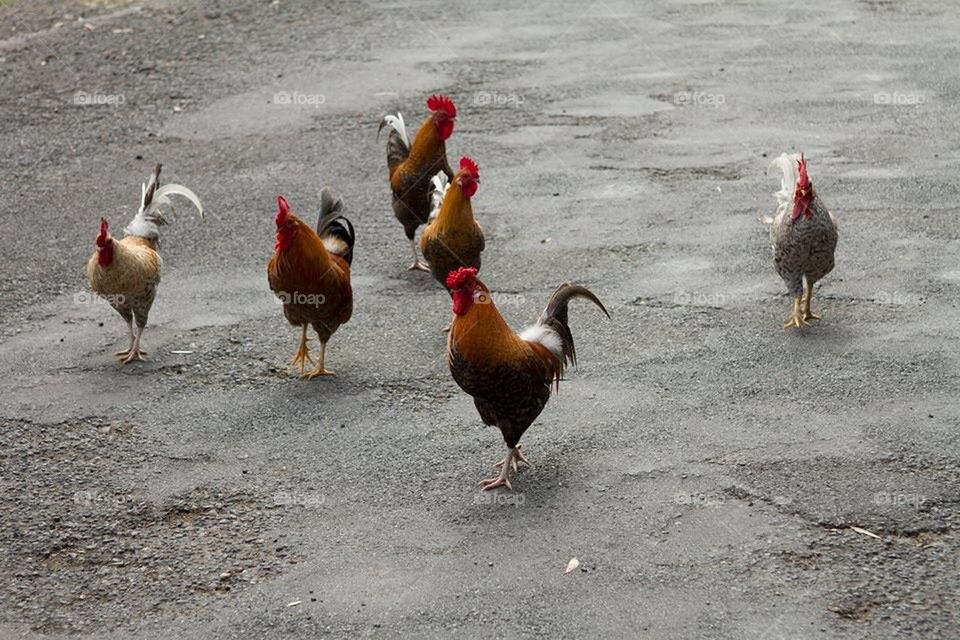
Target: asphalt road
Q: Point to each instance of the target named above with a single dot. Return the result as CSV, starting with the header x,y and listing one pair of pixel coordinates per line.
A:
x,y
716,476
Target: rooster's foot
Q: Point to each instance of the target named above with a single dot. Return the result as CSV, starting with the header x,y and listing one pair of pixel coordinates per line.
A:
x,y
796,318
797,321
121,355
418,265
500,481
514,459
303,352
302,357
316,373
134,354
807,313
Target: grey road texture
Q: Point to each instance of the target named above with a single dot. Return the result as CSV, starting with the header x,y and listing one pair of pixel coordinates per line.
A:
x,y
714,475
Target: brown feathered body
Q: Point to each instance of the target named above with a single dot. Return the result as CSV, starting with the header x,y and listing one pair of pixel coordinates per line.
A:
x,y
129,282
411,170
509,375
453,239
311,277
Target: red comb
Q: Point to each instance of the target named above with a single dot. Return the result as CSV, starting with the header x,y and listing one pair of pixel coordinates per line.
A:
x,y
283,208
461,277
467,164
104,233
442,103
803,179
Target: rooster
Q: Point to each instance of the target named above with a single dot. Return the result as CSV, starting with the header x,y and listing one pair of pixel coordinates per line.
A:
x,y
803,235
310,274
412,167
508,375
453,239
126,272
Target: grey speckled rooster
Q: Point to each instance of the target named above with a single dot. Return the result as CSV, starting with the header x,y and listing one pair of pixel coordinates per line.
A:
x,y
803,236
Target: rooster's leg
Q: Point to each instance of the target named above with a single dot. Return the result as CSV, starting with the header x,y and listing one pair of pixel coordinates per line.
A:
x,y
503,480
796,320
517,457
807,313
417,264
303,353
123,354
320,370
135,353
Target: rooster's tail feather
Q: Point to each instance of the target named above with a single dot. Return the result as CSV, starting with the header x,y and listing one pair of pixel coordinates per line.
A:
x,y
333,228
398,143
552,329
153,198
439,185
787,162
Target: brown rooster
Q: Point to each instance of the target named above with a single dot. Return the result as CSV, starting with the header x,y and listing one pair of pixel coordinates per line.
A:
x,y
508,375
126,272
412,167
310,274
453,239
803,235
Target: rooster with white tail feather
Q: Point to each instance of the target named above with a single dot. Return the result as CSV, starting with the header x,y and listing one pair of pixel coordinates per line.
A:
x,y
803,235
509,375
126,272
413,164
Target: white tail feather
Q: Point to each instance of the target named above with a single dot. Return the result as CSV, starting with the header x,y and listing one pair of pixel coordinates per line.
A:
x,y
440,184
788,164
397,123
150,216
546,336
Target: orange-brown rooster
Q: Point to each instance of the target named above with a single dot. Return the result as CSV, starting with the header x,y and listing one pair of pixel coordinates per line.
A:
x,y
412,166
453,239
508,375
126,272
310,274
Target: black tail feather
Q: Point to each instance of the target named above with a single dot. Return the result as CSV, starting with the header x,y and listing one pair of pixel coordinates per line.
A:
x,y
332,223
152,185
556,314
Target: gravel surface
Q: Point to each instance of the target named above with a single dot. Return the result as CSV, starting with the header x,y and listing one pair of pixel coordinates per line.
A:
x,y
714,475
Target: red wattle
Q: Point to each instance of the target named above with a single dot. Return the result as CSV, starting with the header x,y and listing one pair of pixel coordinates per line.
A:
x,y
462,301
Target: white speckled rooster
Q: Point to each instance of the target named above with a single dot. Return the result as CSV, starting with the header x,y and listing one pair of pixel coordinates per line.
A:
x,y
803,236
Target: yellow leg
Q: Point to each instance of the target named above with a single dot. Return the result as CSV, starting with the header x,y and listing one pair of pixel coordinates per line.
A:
x,y
796,319
320,370
303,353
807,313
